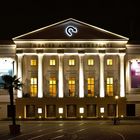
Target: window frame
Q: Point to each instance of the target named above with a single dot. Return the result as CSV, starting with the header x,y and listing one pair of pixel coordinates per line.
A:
x,y
109,86
33,62
52,87
91,86
90,62
33,86
71,62
109,62
72,86
52,62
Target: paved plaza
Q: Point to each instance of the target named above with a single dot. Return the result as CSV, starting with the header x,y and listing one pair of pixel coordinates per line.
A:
x,y
73,130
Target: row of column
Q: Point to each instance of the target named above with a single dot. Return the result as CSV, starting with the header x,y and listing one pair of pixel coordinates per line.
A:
x,y
81,75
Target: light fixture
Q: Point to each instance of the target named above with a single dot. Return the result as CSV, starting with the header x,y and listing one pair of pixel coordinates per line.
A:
x,y
81,110
60,110
116,97
39,110
102,110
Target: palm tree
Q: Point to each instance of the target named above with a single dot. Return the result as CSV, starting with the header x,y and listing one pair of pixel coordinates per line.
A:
x,y
12,83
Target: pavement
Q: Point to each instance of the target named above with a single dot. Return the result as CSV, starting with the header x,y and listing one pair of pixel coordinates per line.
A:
x,y
73,130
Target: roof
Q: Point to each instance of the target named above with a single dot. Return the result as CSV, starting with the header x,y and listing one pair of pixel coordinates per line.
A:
x,y
7,42
70,29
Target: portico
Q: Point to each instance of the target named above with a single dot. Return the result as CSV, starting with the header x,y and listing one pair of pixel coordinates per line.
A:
x,y
70,70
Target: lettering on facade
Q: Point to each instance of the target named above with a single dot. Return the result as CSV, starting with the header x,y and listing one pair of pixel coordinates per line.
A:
x,y
70,30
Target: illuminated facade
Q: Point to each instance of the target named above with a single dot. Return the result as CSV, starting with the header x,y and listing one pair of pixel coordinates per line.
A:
x,y
72,70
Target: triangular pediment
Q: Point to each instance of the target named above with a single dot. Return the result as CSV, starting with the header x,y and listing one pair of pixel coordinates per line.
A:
x,y
70,29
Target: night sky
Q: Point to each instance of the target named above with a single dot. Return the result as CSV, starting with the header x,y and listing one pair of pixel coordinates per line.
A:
x,y
118,16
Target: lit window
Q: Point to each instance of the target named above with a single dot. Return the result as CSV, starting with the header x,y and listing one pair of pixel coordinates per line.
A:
x,y
52,87
71,85
33,62
71,62
52,62
102,110
60,110
33,87
39,110
81,110
109,62
137,72
109,86
90,62
90,82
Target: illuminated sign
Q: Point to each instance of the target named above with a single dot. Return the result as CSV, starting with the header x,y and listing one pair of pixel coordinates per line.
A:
x,y
70,30
135,74
6,68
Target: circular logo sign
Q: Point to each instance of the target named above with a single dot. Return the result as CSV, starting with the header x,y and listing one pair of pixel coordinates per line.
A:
x,y
70,30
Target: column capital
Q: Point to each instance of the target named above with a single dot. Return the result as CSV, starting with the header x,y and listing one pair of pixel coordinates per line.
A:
x,y
19,54
122,54
101,55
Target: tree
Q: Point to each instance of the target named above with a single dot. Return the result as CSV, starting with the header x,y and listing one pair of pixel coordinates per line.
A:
x,y
12,83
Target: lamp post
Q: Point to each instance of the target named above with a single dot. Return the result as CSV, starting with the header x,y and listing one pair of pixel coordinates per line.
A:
x,y
116,109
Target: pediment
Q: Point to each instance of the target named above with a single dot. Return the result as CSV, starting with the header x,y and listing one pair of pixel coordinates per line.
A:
x,y
70,29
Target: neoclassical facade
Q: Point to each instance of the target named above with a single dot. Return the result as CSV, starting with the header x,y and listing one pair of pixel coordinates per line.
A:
x,y
72,70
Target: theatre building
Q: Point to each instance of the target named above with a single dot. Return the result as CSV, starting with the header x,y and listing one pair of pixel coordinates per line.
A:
x,y
71,70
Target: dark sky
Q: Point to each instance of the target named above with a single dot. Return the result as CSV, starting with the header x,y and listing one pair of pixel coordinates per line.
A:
x,y
118,16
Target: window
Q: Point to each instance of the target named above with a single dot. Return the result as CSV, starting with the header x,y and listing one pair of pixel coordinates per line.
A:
x,y
60,110
52,62
111,108
109,87
90,62
91,110
71,111
51,111
109,62
39,111
81,110
33,87
33,62
102,110
71,62
30,111
90,87
71,85
52,87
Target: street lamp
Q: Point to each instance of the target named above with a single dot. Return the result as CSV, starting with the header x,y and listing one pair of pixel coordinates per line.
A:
x,y
116,109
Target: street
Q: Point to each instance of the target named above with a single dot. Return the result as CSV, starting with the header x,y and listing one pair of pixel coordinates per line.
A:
x,y
73,130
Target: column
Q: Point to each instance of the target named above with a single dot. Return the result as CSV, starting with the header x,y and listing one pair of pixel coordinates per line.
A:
x,y
102,91
122,88
60,93
40,83
19,74
14,67
81,76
